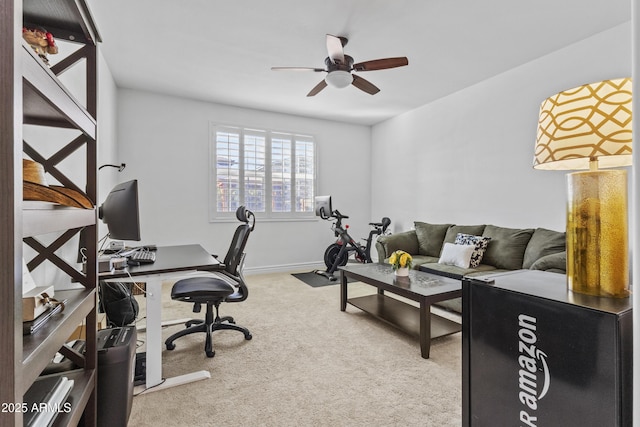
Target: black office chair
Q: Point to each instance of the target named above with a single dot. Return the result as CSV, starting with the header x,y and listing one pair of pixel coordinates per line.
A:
x,y
227,285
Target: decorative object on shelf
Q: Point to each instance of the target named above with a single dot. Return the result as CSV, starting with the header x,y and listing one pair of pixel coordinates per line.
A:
x,y
41,41
30,326
35,187
401,262
586,128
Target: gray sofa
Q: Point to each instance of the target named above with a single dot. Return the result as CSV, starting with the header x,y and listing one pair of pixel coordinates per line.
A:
x,y
507,249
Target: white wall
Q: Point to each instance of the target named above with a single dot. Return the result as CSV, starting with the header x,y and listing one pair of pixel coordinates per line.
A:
x,y
165,143
467,158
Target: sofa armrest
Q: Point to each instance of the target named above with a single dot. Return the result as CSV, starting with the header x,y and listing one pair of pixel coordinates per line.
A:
x,y
406,241
555,262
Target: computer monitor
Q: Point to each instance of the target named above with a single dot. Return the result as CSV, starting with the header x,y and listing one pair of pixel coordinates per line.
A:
x,y
323,206
120,212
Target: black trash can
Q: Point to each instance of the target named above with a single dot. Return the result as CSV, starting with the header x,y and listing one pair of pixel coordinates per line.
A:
x,y
116,365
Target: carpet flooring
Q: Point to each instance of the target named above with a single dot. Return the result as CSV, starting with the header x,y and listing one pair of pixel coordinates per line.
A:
x,y
308,364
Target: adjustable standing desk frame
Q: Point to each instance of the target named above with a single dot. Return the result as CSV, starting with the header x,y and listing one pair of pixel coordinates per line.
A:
x,y
171,262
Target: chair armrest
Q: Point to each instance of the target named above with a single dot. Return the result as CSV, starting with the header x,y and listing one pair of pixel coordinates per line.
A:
x,y
406,241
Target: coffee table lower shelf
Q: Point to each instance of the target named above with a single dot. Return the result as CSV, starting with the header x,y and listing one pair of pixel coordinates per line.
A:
x,y
402,315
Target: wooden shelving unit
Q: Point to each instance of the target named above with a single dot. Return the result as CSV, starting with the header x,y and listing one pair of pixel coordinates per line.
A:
x,y
32,94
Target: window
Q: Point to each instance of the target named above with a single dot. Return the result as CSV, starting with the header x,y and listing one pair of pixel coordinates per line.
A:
x,y
271,173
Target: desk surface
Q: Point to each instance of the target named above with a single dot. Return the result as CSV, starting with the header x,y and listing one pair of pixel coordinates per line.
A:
x,y
169,259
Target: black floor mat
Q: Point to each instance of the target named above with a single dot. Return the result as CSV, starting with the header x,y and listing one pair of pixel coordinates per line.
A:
x,y
317,280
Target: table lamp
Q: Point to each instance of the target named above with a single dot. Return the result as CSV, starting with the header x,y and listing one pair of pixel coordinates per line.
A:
x,y
589,127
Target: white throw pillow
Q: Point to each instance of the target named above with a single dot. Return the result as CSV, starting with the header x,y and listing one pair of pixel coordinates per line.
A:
x,y
458,255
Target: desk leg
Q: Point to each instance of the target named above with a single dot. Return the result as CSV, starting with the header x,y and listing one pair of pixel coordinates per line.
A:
x,y
154,333
425,328
154,380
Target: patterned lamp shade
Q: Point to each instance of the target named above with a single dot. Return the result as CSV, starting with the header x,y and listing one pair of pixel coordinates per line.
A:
x,y
590,122
586,128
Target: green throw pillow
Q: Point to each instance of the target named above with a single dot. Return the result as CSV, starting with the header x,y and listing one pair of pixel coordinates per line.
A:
x,y
554,262
543,242
430,237
507,246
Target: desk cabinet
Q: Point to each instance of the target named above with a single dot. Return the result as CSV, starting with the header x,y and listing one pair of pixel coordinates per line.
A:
x,y
536,354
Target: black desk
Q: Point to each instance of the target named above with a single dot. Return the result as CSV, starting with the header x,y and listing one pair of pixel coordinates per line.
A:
x,y
169,259
171,262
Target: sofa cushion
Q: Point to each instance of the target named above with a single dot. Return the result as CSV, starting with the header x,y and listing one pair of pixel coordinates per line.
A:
x,y
556,263
405,240
480,246
453,231
419,260
430,237
454,271
459,255
507,246
543,242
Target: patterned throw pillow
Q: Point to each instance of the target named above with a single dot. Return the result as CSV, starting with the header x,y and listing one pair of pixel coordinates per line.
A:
x,y
480,243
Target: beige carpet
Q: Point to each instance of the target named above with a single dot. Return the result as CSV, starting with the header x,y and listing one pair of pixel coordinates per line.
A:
x,y
308,364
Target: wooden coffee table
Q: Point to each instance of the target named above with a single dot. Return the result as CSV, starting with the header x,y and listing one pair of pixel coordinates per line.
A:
x,y
424,288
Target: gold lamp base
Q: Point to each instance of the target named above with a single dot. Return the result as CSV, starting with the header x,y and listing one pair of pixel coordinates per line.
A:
x,y
597,238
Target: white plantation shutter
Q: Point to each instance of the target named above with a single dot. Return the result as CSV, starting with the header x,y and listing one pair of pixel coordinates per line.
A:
x,y
255,185
281,173
305,172
271,173
227,168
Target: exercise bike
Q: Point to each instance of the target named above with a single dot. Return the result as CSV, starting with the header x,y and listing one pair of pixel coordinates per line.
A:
x,y
337,254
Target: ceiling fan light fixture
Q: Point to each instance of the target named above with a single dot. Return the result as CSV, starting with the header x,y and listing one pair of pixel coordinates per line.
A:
x,y
339,79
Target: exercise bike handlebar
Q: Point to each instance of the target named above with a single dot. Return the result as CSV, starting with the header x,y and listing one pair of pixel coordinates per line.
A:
x,y
335,214
338,215
381,227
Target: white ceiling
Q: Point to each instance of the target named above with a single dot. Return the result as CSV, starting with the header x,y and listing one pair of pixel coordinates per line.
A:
x,y
222,50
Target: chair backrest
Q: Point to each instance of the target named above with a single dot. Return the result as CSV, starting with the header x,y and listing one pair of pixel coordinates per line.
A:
x,y
236,249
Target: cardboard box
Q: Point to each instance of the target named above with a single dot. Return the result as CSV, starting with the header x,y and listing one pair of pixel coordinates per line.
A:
x,y
34,302
81,332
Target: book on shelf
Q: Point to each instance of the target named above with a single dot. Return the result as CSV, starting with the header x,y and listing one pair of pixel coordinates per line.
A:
x,y
31,326
45,399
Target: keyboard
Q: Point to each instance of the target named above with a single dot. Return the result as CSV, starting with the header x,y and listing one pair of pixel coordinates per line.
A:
x,y
142,257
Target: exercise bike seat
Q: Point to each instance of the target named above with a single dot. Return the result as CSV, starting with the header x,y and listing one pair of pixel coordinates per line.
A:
x,y
384,223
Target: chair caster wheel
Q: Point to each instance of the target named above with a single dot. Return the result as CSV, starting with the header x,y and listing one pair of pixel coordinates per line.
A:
x,y
210,353
170,346
248,337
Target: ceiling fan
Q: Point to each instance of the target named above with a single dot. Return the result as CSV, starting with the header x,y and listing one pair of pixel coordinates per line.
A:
x,y
340,66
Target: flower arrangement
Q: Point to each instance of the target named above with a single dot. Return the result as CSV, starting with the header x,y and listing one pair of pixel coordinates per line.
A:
x,y
400,259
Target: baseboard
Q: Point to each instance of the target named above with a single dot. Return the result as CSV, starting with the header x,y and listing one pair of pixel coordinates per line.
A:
x,y
284,268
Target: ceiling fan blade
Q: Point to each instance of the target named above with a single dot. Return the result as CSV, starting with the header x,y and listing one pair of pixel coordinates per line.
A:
x,y
297,69
334,47
317,88
381,64
364,85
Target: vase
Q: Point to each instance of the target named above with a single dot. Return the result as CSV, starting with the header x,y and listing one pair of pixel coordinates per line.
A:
x,y
402,271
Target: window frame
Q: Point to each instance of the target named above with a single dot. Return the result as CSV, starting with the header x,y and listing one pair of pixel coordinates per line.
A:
x,y
269,135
